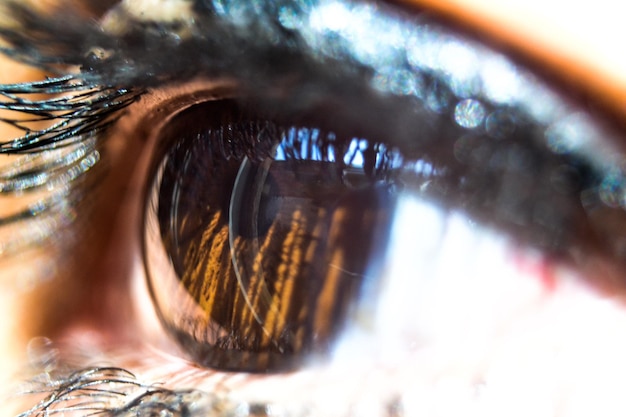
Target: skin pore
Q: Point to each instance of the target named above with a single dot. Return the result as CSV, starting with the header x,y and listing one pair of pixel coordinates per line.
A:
x,y
91,310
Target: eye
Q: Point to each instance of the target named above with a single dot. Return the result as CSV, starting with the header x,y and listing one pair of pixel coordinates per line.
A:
x,y
416,133
266,230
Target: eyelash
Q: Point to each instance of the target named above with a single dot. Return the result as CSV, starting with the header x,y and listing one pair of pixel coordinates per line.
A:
x,y
79,109
107,390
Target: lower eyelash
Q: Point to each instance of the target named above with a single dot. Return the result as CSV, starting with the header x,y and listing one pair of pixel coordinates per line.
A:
x,y
115,392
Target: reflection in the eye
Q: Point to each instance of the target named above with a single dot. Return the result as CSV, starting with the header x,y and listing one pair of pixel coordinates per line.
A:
x,y
269,230
494,152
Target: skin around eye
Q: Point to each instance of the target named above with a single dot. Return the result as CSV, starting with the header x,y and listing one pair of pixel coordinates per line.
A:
x,y
11,330
448,387
575,44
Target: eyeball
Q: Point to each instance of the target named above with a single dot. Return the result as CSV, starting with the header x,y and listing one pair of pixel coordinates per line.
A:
x,y
260,236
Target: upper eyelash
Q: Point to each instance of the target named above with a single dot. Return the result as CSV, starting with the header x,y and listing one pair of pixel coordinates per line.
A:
x,y
50,159
77,105
78,109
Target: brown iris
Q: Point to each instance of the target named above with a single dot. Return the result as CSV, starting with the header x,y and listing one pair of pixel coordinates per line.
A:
x,y
270,232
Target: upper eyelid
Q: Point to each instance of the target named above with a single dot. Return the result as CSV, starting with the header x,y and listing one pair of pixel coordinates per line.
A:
x,y
564,69
457,16
322,78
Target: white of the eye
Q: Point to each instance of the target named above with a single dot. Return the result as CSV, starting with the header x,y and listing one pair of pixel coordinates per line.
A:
x,y
444,278
469,327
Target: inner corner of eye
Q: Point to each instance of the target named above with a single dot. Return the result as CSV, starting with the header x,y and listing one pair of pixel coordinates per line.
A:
x,y
270,240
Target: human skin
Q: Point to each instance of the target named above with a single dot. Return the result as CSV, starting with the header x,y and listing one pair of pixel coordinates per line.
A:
x,y
598,80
